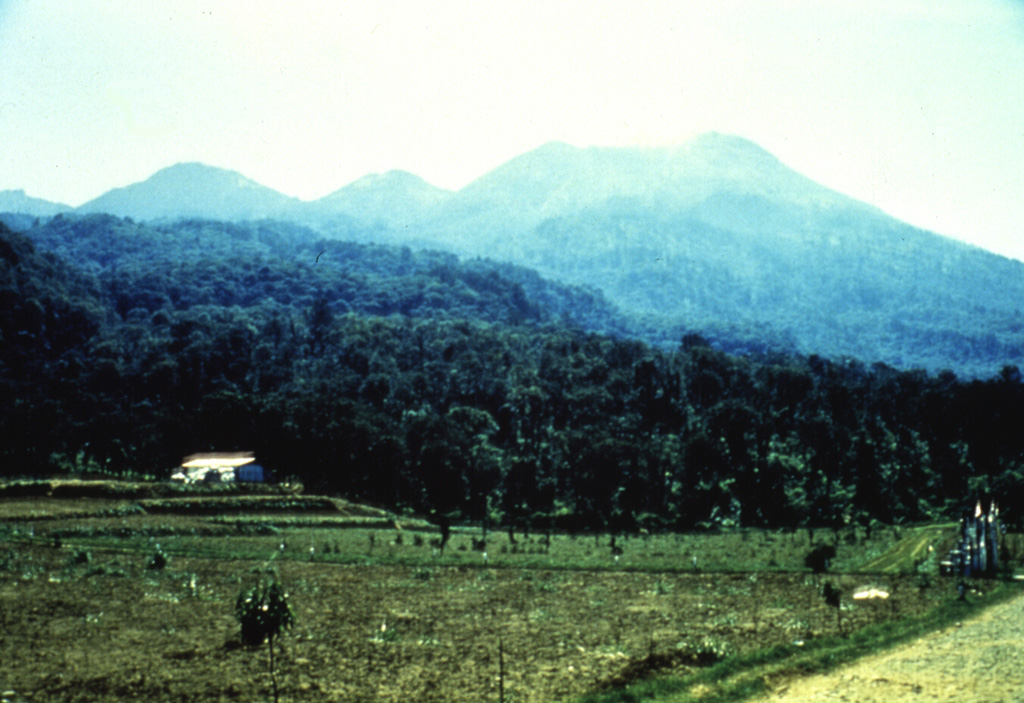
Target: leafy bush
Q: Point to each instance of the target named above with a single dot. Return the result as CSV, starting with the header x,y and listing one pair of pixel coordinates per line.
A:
x,y
834,598
7,560
263,611
818,559
159,560
832,595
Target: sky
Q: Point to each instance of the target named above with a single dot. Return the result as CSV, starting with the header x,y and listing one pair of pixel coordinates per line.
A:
x,y
916,107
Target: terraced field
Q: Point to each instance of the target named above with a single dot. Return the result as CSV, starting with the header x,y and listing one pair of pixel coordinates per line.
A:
x,y
383,615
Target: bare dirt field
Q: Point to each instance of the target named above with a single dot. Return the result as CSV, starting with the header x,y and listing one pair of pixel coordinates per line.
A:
x,y
111,629
382,615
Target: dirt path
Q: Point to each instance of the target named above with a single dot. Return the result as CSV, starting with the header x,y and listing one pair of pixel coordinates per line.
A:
x,y
981,660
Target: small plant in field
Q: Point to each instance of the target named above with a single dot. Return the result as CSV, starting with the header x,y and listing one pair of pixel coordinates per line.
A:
x,y
111,568
159,560
755,600
799,625
726,620
263,611
706,651
833,597
7,560
385,633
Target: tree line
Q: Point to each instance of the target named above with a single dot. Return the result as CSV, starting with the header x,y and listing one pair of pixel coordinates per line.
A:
x,y
486,401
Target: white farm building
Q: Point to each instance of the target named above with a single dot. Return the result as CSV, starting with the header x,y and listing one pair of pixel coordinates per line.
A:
x,y
217,467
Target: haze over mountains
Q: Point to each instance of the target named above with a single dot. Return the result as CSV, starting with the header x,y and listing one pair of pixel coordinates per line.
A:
x,y
715,236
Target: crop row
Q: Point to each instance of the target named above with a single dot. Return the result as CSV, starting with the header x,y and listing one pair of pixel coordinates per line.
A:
x,y
75,488
238,504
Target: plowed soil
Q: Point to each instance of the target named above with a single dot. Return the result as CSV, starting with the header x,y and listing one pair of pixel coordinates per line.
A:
x,y
110,629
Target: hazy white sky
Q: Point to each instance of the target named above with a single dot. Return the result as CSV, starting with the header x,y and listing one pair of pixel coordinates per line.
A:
x,y
916,107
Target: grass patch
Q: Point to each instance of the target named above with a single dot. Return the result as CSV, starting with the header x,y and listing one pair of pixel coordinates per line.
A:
x,y
741,677
340,534
906,554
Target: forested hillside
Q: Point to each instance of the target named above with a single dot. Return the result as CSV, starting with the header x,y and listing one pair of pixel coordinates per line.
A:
x,y
187,263
714,235
467,389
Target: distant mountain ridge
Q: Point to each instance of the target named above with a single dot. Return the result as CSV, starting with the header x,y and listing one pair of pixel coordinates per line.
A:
x,y
557,177
395,198
193,190
719,236
714,235
558,180
16,201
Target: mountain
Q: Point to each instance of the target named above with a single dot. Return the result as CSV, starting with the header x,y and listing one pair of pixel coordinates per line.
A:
x,y
558,180
718,235
395,198
715,235
15,201
193,190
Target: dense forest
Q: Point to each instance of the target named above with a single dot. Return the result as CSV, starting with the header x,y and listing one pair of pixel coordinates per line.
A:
x,y
469,389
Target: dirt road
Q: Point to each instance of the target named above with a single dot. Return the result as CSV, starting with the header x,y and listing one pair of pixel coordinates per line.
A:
x,y
980,660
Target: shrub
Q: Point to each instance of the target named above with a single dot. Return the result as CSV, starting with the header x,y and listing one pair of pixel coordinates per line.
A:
x,y
7,560
833,597
159,559
263,612
817,560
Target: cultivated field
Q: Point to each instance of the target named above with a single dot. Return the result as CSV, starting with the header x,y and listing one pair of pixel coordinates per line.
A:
x,y
382,616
